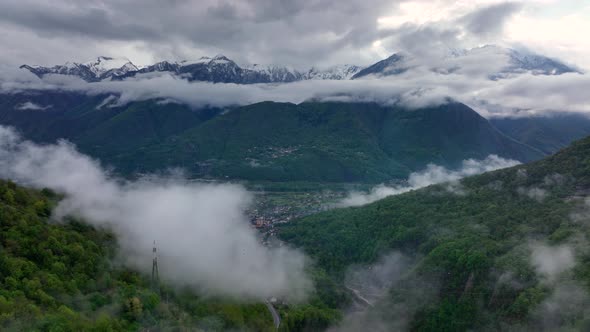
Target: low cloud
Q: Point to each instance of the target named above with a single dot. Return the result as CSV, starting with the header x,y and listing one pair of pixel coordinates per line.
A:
x,y
568,301
433,174
387,295
489,21
203,237
370,283
538,194
550,262
31,106
462,79
563,309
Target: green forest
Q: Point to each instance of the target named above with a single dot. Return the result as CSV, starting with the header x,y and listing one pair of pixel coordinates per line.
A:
x,y
461,239
64,277
269,141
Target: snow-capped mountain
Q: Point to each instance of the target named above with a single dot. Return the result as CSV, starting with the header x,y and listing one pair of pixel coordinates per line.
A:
x,y
338,72
101,68
218,69
494,61
276,73
105,65
538,64
394,65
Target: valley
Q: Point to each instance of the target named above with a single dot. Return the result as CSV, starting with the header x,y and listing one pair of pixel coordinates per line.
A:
x,y
298,165
294,166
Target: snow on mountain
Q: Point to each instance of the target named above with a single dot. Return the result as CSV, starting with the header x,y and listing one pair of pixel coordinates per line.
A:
x,y
393,65
499,63
512,62
338,72
91,71
105,64
492,61
276,73
537,64
218,69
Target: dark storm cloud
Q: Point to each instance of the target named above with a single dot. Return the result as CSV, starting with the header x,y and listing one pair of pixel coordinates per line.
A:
x,y
426,41
262,30
490,20
297,33
431,41
48,19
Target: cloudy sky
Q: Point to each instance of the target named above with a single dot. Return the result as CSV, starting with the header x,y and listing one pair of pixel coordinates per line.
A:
x,y
296,33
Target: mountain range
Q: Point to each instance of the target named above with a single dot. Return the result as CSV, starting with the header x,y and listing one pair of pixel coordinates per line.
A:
x,y
311,141
501,251
221,69
218,69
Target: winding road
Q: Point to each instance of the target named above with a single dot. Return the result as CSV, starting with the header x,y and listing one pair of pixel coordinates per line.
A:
x,y
275,315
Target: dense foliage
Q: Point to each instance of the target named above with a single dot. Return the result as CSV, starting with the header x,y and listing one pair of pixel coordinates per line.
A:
x,y
311,141
547,133
464,239
59,277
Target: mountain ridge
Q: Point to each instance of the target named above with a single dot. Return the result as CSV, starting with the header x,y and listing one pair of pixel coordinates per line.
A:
x,y
221,69
311,141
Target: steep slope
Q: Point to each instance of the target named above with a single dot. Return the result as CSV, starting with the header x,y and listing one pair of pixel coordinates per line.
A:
x,y
94,123
514,62
393,65
338,72
548,133
60,277
330,142
218,69
92,71
537,64
478,251
335,142
221,69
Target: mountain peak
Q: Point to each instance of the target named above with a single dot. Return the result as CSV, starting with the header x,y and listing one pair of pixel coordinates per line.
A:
x,y
221,57
393,65
220,68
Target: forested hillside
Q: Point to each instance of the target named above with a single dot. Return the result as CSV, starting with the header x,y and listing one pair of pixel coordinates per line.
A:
x,y
480,249
311,141
66,277
548,133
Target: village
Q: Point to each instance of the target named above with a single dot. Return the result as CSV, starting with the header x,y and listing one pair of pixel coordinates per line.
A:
x,y
272,208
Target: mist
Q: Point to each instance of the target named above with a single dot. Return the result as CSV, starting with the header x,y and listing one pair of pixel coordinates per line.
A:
x,y
433,174
515,95
203,237
567,300
387,294
551,262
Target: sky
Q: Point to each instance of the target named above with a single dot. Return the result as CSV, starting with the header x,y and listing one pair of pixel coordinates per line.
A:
x,y
307,33
295,33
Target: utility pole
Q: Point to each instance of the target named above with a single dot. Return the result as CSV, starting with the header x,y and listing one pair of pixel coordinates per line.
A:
x,y
155,274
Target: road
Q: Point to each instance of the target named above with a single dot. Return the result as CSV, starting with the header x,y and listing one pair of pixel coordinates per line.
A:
x,y
359,296
275,315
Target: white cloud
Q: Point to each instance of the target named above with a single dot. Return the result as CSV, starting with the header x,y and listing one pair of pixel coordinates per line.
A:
x,y
557,36
31,106
203,236
433,174
535,193
522,94
294,33
550,262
